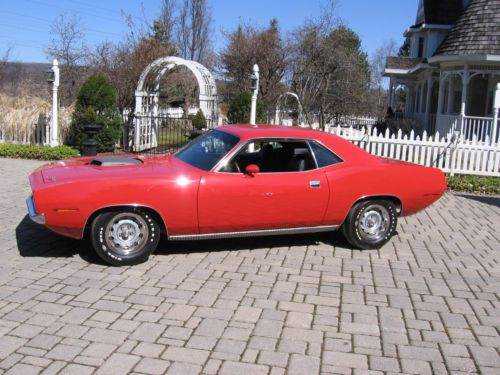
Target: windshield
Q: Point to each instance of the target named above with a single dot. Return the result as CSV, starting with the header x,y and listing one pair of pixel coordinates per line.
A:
x,y
206,151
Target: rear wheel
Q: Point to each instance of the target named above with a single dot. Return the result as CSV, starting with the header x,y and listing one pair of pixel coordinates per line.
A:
x,y
370,224
125,237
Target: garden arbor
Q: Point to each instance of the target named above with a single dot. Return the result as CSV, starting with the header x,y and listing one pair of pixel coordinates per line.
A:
x,y
281,109
147,97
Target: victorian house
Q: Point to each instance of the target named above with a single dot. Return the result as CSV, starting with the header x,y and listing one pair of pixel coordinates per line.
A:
x,y
453,68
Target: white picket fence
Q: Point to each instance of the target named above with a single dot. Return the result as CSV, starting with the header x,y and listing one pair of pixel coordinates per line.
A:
x,y
452,153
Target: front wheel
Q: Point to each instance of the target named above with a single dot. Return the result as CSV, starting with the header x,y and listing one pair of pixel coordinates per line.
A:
x,y
124,237
370,224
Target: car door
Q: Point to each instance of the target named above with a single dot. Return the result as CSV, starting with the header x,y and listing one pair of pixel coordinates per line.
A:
x,y
232,202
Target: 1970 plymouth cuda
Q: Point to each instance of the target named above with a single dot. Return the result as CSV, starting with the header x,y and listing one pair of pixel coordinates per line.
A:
x,y
234,181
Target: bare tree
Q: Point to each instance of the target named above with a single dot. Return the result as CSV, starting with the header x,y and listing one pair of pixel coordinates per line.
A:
x,y
193,36
329,71
378,98
378,61
68,46
4,61
247,46
164,26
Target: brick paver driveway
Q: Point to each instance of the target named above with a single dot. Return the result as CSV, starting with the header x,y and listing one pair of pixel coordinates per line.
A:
x,y
426,303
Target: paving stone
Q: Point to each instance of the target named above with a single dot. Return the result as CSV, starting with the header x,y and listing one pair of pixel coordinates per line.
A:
x,y
247,314
152,366
118,363
188,355
301,365
179,368
342,359
487,357
9,345
273,358
211,327
236,368
64,352
24,369
76,369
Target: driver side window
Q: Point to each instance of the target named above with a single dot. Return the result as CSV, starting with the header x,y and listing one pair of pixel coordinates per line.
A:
x,y
273,156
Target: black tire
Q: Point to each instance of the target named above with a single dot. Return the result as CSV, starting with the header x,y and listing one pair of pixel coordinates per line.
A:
x,y
370,224
124,237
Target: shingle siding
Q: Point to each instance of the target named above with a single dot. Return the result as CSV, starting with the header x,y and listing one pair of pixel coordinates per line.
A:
x,y
442,12
396,62
477,31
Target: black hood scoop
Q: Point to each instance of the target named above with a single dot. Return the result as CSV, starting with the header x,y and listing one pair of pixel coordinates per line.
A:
x,y
114,161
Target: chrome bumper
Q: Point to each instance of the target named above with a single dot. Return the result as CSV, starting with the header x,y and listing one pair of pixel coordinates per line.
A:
x,y
37,218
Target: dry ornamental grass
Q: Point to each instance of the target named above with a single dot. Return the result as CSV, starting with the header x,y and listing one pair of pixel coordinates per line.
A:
x,y
23,119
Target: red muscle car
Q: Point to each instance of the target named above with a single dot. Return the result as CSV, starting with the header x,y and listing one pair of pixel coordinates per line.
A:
x,y
234,181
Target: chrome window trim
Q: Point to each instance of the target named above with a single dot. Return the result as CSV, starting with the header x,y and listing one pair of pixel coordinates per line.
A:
x,y
36,217
254,233
328,149
237,148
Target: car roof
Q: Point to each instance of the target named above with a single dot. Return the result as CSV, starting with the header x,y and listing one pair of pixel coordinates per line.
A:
x,y
246,131
343,148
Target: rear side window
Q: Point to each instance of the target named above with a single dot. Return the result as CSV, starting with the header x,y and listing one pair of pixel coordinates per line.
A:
x,y
324,157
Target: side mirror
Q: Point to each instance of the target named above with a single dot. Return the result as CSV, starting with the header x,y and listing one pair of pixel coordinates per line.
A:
x,y
252,169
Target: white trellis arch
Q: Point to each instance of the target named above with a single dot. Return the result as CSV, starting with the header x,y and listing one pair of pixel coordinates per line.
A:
x,y
279,110
147,97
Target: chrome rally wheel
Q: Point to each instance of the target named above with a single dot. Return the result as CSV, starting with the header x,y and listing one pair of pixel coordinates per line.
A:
x,y
374,222
125,237
370,224
126,234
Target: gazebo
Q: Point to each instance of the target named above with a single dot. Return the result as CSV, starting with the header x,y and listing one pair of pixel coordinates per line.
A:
x,y
453,69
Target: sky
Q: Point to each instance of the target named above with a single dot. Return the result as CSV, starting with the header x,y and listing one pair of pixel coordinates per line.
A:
x,y
25,24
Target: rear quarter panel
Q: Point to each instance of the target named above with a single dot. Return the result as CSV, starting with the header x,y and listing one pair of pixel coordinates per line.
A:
x,y
415,186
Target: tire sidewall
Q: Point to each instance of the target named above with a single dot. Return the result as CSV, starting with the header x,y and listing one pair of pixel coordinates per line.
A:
x,y
108,255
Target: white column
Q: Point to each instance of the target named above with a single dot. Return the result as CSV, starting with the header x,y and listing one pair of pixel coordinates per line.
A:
x,y
496,108
415,100
391,93
255,93
441,96
465,83
449,104
428,102
54,139
421,100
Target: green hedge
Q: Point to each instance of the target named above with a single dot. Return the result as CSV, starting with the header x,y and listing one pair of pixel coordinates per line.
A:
x,y
474,184
37,152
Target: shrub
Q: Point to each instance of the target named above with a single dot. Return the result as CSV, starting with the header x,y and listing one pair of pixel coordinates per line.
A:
x,y
239,109
96,105
37,152
474,184
199,121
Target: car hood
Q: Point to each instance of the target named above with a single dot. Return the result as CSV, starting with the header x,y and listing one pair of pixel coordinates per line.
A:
x,y
109,167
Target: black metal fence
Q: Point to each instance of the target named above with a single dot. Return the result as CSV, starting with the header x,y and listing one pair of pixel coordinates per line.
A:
x,y
157,134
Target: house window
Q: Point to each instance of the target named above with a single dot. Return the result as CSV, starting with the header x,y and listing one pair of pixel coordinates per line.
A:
x,y
421,47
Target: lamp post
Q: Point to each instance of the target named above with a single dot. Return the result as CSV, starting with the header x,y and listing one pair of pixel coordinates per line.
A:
x,y
255,91
53,77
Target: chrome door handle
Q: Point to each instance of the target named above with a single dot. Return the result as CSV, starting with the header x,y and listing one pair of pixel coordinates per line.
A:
x,y
314,184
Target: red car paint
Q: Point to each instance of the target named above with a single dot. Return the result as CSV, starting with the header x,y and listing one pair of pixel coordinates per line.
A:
x,y
192,201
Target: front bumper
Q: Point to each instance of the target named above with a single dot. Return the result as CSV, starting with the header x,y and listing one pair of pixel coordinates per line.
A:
x,y
37,218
